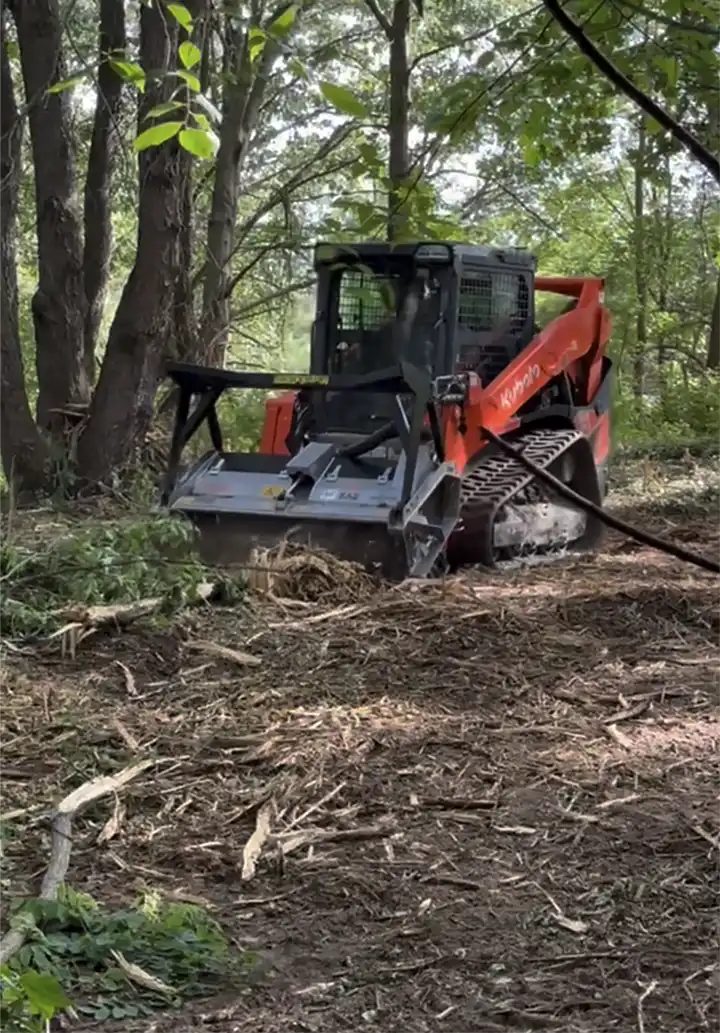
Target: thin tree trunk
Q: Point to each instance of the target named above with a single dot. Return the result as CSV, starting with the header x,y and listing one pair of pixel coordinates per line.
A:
x,y
58,305
184,342
713,345
104,148
396,30
24,452
398,120
640,268
713,354
665,235
122,406
243,98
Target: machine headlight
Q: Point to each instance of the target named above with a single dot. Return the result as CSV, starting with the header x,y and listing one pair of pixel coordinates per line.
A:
x,y
433,253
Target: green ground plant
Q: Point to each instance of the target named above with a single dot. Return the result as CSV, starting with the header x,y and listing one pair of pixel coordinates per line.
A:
x,y
111,964
29,1000
120,561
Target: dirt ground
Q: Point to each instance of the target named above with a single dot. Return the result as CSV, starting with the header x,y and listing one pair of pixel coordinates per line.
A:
x,y
490,804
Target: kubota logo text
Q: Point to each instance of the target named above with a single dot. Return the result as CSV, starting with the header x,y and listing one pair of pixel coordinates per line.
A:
x,y
511,394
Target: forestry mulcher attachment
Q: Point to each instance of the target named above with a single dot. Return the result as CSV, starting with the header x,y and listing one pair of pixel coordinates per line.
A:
x,y
380,454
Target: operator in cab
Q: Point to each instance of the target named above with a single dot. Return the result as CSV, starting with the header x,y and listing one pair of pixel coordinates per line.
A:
x,y
404,330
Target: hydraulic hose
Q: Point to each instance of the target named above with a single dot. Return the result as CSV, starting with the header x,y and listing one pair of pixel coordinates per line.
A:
x,y
378,437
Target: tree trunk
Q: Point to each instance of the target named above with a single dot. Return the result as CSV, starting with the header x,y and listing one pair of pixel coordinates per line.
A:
x,y
713,345
104,148
640,268
58,305
665,235
713,353
24,452
184,345
242,100
398,120
122,406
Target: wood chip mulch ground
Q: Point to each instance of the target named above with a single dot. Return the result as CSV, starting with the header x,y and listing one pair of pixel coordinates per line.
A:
x,y
486,805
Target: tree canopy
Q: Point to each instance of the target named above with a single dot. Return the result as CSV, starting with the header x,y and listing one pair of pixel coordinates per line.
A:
x,y
166,168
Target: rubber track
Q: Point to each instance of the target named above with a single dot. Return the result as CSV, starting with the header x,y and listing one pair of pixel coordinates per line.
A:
x,y
494,482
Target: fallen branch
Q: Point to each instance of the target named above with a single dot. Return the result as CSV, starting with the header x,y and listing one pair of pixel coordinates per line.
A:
x,y
61,830
235,656
261,834
83,621
122,613
295,840
115,613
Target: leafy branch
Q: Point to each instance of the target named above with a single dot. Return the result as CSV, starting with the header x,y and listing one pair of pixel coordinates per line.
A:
x,y
633,92
474,37
702,28
264,302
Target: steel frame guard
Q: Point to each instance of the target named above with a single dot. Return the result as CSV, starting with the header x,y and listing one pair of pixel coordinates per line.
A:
x,y
210,384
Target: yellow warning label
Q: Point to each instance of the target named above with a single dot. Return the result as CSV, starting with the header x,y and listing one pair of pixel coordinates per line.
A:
x,y
271,491
283,380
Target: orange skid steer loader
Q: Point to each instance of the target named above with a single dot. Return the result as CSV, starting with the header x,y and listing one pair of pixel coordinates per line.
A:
x,y
380,453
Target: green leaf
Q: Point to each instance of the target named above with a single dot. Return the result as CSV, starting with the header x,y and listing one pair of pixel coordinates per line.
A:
x,y
66,84
653,127
257,39
298,69
531,151
669,67
156,135
199,142
164,109
192,80
343,100
203,121
284,22
44,993
181,15
130,72
369,154
189,54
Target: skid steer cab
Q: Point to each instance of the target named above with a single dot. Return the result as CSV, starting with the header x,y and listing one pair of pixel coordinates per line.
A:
x,y
379,452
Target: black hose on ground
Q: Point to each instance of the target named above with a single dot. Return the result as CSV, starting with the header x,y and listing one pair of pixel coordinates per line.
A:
x,y
602,514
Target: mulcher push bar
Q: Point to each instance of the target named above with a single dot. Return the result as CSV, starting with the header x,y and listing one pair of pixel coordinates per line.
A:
x,y
210,383
403,378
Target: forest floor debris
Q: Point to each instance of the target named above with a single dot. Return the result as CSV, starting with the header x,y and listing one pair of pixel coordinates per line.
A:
x,y
488,804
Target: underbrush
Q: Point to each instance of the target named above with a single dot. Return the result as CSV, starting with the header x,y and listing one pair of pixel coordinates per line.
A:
x,y
94,564
242,418
111,964
681,414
